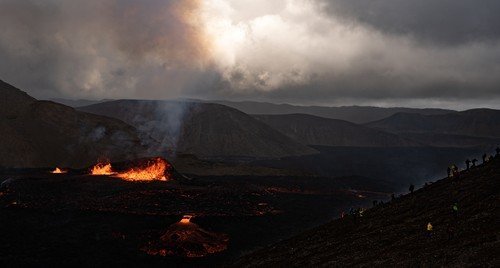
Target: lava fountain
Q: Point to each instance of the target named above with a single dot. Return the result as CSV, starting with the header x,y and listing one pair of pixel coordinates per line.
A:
x,y
58,171
154,169
186,219
102,169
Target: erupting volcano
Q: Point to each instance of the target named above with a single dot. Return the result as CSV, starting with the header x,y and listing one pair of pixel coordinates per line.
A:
x,y
102,169
58,171
153,169
187,239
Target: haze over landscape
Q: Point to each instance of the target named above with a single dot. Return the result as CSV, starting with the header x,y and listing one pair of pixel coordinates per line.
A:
x,y
237,133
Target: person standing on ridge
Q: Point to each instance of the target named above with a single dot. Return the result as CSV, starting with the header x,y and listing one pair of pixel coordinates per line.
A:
x,y
449,172
455,210
412,188
455,171
467,163
429,230
498,152
474,161
484,158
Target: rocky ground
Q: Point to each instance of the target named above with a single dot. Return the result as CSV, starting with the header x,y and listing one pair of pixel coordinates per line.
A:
x,y
76,219
395,234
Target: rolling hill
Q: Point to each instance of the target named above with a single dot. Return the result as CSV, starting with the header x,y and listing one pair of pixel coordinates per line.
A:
x,y
475,123
202,129
313,130
46,134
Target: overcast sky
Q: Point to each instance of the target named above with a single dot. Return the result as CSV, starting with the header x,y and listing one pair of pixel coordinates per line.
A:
x,y
425,53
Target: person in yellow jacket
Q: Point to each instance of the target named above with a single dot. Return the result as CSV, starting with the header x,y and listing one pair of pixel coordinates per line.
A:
x,y
429,229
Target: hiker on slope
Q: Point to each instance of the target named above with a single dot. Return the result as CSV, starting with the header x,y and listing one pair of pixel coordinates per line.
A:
x,y
429,230
474,161
455,210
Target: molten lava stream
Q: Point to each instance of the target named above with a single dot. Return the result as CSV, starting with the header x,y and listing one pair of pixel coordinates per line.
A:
x,y
102,169
155,169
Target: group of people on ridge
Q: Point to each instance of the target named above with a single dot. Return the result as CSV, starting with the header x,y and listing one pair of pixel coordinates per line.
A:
x,y
453,172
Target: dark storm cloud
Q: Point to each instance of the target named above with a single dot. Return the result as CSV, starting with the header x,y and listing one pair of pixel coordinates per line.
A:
x,y
388,52
447,22
104,48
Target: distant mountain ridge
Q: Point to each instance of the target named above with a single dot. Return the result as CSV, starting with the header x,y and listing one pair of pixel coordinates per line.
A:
x,y
203,129
314,130
476,122
354,114
77,103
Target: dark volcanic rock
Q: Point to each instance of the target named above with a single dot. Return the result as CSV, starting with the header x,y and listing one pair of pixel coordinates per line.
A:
x,y
395,235
44,134
313,130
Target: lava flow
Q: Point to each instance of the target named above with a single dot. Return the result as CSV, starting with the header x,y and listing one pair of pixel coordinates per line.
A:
x,y
102,169
153,169
58,171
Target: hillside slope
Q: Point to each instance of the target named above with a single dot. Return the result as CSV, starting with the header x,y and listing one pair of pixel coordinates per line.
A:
x,y
395,234
476,123
45,134
313,130
202,129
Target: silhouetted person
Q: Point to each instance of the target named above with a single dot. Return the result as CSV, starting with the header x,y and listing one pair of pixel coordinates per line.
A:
x,y
451,232
393,197
449,172
484,158
498,152
455,171
429,230
474,161
412,188
355,215
467,163
455,210
375,202
352,212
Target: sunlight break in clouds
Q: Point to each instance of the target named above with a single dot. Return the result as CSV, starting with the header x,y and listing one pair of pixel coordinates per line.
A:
x,y
299,51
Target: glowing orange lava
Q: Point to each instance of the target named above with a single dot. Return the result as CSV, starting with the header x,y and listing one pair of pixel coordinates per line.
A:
x,y
154,169
102,169
186,219
58,171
